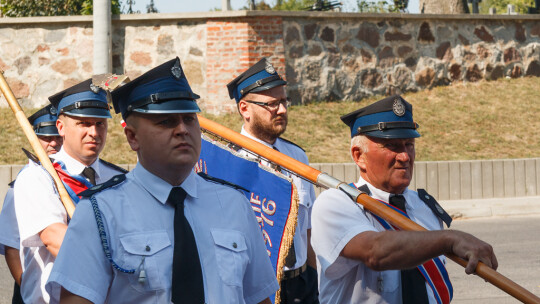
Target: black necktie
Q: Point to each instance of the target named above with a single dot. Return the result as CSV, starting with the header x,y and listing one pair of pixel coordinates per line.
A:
x,y
90,174
187,279
413,284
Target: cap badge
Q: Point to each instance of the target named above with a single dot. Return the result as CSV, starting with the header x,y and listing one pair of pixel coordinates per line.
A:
x,y
52,110
398,107
176,70
269,68
94,88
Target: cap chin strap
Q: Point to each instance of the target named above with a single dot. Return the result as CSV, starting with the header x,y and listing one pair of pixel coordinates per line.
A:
x,y
381,126
85,104
259,83
44,124
161,97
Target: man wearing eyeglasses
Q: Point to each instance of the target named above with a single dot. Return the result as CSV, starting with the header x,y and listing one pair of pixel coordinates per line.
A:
x,y
262,102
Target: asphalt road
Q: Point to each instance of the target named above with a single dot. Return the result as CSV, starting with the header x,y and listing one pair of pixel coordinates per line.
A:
x,y
516,241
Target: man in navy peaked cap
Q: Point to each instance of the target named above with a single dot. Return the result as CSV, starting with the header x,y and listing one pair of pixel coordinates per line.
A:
x,y
44,124
162,233
360,257
262,102
42,219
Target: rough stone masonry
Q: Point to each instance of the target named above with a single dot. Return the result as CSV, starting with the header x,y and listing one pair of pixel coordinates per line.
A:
x,y
324,55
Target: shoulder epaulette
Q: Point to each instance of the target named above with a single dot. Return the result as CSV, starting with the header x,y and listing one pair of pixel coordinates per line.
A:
x,y
430,201
115,180
221,181
290,142
364,188
111,165
34,158
31,156
12,183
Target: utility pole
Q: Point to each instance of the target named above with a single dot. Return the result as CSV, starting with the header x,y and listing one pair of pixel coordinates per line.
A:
x,y
102,37
225,5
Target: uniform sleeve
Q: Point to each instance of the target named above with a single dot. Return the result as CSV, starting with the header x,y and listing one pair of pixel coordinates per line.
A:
x,y
259,279
9,231
309,195
336,220
312,198
37,204
81,266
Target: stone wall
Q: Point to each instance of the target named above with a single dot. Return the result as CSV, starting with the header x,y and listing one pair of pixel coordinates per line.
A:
x,y
356,57
323,56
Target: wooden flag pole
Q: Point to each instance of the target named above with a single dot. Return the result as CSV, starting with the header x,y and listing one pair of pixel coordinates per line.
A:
x,y
34,142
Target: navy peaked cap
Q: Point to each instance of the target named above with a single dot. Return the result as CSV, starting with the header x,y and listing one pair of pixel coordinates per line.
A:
x,y
260,77
44,121
163,89
391,117
82,100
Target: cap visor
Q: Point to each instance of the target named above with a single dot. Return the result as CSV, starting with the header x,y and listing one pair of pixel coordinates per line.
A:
x,y
89,112
47,131
394,133
171,106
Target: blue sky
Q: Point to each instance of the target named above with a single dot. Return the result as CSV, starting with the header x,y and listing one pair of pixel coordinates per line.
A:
x,y
177,6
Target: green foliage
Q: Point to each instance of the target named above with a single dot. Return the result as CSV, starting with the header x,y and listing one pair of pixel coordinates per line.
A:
x,y
284,5
380,6
28,8
293,5
501,5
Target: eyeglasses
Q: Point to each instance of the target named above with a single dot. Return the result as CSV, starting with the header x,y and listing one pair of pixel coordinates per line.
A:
x,y
272,106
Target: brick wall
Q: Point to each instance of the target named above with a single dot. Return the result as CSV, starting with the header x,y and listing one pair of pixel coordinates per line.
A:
x,y
232,47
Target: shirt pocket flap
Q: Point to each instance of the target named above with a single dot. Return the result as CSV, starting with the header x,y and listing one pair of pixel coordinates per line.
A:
x,y
229,239
145,243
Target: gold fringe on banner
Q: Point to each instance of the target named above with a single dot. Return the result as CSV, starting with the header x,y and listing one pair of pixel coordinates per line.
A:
x,y
287,240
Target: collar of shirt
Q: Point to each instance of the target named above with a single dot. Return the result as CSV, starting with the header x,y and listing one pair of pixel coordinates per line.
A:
x,y
383,195
73,166
159,188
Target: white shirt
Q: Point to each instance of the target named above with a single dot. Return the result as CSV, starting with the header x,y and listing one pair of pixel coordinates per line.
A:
x,y
234,262
9,231
306,195
37,206
336,220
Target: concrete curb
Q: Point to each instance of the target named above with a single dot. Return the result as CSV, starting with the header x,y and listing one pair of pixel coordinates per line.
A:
x,y
476,208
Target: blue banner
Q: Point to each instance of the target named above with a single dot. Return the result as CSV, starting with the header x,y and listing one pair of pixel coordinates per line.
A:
x,y
270,193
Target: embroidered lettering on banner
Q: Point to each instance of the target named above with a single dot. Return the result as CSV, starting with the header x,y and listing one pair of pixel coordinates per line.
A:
x,y
263,211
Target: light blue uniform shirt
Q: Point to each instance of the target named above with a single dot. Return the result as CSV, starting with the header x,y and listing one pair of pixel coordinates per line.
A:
x,y
37,206
140,231
9,231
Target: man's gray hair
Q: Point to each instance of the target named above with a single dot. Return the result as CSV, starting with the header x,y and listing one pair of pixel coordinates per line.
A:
x,y
360,141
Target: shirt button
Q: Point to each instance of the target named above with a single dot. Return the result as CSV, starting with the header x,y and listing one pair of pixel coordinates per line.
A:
x,y
234,245
147,248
